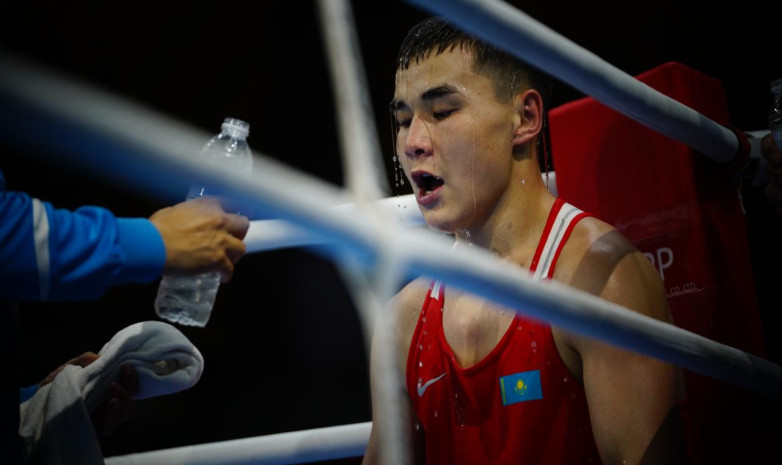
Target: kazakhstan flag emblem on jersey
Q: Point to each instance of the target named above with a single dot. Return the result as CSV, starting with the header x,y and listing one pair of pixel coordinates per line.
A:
x,y
521,387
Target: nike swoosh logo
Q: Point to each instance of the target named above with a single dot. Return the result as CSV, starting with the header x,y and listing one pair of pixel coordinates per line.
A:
x,y
423,387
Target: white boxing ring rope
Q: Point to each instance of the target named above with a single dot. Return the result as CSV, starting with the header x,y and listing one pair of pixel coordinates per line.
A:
x,y
511,29
266,235
334,442
155,150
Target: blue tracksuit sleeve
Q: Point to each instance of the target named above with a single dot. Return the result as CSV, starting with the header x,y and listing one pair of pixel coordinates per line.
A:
x,y
57,254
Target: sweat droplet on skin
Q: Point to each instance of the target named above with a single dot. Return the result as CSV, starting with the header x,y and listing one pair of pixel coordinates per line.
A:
x,y
399,175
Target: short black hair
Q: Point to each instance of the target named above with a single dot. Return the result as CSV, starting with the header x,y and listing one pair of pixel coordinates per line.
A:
x,y
436,35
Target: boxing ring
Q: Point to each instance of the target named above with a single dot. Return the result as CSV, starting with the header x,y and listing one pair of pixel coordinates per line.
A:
x,y
359,229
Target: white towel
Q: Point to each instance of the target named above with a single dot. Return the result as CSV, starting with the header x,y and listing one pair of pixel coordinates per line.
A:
x,y
55,422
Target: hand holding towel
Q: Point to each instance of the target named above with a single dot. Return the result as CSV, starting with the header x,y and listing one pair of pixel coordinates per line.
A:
x,y
55,422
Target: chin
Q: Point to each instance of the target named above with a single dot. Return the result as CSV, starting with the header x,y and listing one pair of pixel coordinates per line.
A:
x,y
437,223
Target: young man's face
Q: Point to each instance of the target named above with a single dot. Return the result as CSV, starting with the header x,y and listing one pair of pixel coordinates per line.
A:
x,y
455,140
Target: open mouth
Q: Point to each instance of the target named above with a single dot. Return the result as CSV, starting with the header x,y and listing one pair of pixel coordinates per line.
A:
x,y
427,183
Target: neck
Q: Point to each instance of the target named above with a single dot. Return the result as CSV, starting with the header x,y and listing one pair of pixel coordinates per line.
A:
x,y
514,226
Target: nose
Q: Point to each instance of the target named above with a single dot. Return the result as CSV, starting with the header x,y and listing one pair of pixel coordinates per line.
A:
x,y
419,139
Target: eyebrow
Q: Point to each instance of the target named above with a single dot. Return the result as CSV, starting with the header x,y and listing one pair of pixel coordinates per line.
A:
x,y
430,94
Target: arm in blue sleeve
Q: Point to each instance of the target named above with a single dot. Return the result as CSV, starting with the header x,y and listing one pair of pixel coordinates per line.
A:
x,y
26,393
58,254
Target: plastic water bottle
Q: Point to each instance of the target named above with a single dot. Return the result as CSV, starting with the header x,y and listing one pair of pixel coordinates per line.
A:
x,y
188,300
775,111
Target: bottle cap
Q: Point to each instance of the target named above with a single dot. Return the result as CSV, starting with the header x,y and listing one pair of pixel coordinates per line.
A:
x,y
236,127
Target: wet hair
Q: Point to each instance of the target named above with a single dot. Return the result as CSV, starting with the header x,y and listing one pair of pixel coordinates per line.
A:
x,y
508,74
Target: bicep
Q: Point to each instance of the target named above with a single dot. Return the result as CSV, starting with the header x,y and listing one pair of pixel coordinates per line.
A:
x,y
629,394
410,441
391,406
629,397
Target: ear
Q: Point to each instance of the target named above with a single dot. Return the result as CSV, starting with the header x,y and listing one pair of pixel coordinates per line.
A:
x,y
529,116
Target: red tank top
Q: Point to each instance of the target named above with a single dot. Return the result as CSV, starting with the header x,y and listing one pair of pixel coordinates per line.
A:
x,y
519,405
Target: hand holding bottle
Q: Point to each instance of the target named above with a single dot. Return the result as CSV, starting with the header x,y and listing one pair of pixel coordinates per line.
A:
x,y
201,237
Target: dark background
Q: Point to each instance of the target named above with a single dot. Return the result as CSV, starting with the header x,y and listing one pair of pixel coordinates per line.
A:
x,y
283,349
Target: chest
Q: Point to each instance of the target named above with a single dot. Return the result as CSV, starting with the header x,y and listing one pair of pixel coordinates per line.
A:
x,y
473,327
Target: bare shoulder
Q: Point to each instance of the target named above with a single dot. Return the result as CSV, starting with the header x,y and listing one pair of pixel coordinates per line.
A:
x,y
407,304
402,312
602,261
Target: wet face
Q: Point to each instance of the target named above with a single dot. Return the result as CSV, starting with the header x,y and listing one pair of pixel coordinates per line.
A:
x,y
455,140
